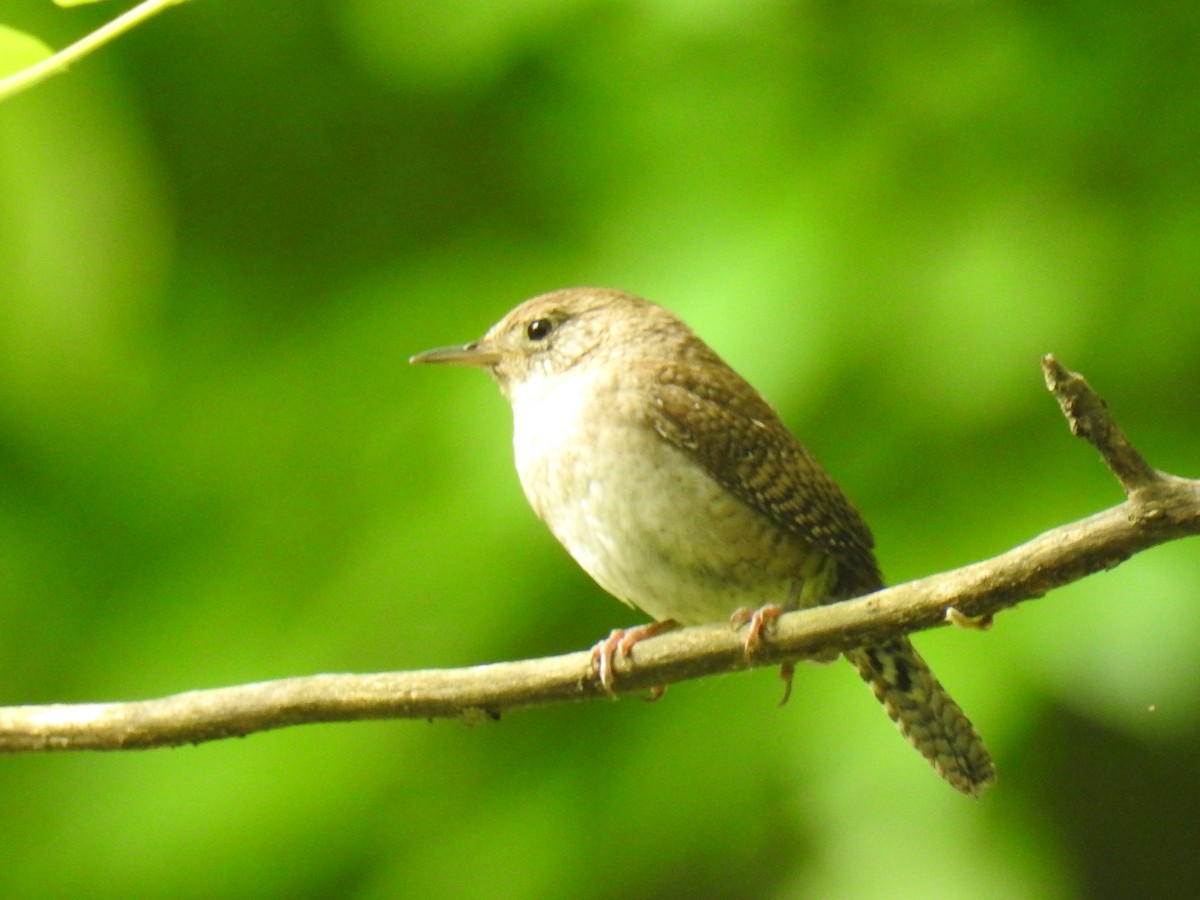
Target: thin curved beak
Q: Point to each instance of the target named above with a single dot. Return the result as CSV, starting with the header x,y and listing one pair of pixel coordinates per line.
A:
x,y
467,355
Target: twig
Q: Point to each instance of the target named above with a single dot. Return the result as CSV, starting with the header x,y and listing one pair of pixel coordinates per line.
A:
x,y
63,59
1090,419
1159,508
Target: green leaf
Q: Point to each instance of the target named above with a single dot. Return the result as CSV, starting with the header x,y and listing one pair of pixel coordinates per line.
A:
x,y
65,4
19,50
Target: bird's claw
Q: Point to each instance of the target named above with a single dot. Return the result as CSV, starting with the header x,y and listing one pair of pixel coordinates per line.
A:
x,y
786,672
760,620
621,641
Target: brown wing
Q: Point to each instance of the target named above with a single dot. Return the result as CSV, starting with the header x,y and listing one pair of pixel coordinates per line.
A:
x,y
708,410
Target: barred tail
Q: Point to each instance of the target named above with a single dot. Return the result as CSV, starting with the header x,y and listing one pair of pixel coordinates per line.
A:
x,y
925,713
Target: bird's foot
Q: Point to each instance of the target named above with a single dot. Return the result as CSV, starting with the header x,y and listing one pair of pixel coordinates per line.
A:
x,y
621,641
760,620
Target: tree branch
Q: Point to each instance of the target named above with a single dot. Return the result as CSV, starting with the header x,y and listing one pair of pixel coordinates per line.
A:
x,y
1158,508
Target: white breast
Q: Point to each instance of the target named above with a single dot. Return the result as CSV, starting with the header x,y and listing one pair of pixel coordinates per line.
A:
x,y
645,521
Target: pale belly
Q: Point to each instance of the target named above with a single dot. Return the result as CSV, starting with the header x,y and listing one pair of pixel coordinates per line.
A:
x,y
650,526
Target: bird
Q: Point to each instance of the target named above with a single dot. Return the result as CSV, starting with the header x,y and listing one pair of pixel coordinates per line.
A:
x,y
677,487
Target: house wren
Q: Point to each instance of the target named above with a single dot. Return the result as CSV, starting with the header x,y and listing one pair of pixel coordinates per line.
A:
x,y
675,485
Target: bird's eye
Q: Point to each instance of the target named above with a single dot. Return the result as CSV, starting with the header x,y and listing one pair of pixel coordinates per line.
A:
x,y
539,329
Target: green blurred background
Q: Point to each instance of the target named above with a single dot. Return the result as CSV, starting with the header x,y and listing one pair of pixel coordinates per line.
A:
x,y
222,237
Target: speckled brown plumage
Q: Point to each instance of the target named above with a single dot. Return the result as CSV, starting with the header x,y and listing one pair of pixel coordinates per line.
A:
x,y
704,407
